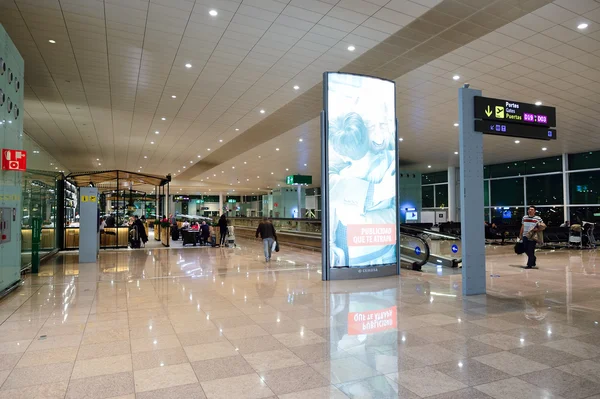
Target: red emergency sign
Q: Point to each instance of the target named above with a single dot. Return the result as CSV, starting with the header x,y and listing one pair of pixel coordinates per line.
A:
x,y
14,160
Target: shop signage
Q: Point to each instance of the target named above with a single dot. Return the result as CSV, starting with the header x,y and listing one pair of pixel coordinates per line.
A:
x,y
298,179
15,160
514,112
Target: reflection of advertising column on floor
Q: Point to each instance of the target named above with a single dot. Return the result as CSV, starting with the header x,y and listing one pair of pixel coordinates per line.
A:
x,y
372,321
359,177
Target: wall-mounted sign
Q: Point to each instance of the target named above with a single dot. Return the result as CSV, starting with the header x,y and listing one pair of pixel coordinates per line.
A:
x,y
231,201
515,130
515,112
181,198
298,179
15,160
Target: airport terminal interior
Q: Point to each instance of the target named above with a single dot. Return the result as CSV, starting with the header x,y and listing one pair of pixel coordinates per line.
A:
x,y
299,199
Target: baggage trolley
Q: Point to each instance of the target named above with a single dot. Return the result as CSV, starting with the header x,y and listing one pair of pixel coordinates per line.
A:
x,y
231,236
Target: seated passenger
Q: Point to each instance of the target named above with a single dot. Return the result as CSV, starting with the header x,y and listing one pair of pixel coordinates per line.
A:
x,y
185,224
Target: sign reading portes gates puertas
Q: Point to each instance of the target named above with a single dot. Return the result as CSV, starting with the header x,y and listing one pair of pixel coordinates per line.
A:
x,y
510,118
511,111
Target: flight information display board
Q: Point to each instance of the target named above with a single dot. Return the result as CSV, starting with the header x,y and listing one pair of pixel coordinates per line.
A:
x,y
359,171
514,112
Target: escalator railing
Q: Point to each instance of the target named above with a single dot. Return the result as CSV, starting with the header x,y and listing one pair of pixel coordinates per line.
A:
x,y
445,249
414,251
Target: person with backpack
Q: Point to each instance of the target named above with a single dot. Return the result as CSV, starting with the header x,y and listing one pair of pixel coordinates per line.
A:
x,y
266,230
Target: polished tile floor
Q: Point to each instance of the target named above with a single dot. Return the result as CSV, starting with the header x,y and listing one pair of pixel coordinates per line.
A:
x,y
220,323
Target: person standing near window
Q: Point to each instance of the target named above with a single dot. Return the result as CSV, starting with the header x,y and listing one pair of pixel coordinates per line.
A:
x,y
531,229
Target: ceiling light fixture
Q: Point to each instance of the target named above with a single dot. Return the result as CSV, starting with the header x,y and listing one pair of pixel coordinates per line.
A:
x,y
156,132
237,130
301,140
199,156
208,149
163,118
351,48
400,139
456,125
580,26
233,167
152,142
220,141
429,166
544,149
517,141
296,87
538,103
145,156
455,77
305,165
97,159
276,149
191,161
213,13
455,152
262,111
188,65
173,96
99,164
54,41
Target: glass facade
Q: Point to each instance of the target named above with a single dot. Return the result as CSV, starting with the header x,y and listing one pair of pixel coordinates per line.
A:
x,y
510,187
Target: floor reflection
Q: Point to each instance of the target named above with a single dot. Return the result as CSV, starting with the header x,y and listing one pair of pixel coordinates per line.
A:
x,y
222,323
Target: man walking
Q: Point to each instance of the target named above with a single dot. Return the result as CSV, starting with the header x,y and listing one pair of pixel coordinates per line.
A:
x,y
267,233
531,232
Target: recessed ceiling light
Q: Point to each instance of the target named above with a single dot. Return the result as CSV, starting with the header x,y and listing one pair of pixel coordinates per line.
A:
x,y
296,87
400,139
145,156
233,167
455,77
156,132
544,148
538,103
301,140
258,177
245,162
429,166
272,173
173,96
99,164
54,41
188,65
152,142
208,149
141,167
191,161
97,159
582,26
237,130
287,170
276,149
455,152
163,118
305,165
456,125
179,170
262,111
220,141
183,167
351,48
517,141
213,13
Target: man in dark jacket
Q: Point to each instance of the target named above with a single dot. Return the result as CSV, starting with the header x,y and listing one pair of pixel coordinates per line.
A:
x,y
141,229
266,230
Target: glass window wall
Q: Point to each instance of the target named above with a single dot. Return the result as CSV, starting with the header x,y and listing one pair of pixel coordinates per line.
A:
x,y
584,187
507,192
545,190
427,200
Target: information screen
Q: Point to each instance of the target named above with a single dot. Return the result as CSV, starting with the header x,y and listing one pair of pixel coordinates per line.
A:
x,y
361,171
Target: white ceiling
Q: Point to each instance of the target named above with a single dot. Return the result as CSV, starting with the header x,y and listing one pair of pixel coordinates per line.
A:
x,y
101,90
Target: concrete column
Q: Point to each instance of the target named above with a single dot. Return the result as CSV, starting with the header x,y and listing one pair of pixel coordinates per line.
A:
x,y
565,176
452,208
220,203
299,202
471,196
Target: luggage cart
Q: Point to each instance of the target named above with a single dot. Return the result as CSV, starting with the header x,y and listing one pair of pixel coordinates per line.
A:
x,y
575,236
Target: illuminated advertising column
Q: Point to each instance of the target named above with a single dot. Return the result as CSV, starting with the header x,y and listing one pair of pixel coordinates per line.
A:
x,y
359,179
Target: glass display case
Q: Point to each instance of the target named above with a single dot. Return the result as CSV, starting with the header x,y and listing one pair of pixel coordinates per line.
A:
x,y
40,198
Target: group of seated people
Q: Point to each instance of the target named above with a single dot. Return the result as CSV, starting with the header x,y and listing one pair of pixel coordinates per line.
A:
x,y
202,232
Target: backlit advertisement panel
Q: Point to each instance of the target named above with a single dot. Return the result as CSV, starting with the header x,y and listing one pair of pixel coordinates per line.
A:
x,y
360,160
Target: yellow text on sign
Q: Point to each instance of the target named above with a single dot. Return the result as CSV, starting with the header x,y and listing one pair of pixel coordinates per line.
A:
x,y
84,198
499,112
